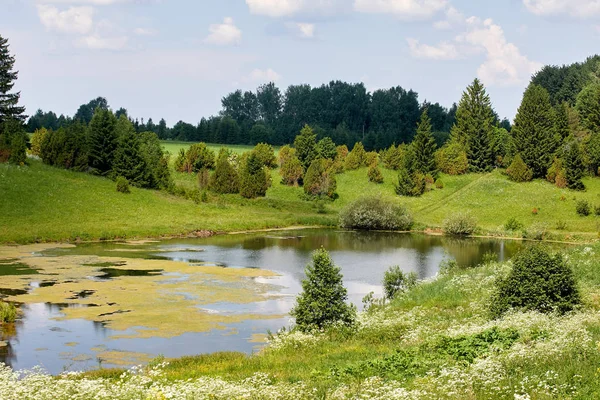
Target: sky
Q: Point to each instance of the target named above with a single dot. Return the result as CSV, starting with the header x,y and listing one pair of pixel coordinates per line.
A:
x,y
176,59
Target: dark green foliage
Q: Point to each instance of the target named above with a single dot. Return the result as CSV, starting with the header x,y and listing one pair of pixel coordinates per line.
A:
x,y
473,127
122,185
156,161
374,174
469,347
260,134
356,158
326,148
410,182
305,145
103,141
18,149
129,161
395,282
583,208
375,213
86,112
592,151
460,224
588,106
423,147
539,282
533,133
197,157
518,171
319,180
393,157
562,129
66,147
574,167
266,155
9,102
502,146
322,302
13,141
513,224
225,178
254,181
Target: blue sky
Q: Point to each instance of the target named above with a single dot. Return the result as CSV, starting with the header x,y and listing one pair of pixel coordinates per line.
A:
x,y
176,59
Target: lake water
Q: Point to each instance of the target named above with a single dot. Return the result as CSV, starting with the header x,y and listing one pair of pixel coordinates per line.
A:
x,y
213,294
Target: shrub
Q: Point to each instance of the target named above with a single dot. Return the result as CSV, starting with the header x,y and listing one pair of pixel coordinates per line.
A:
x,y
326,149
225,178
199,156
291,170
342,153
556,173
374,174
536,231
518,171
410,183
452,159
513,224
122,185
36,141
539,282
266,155
180,161
439,184
375,213
8,312
203,179
319,180
322,302
583,208
285,153
395,282
393,158
254,181
356,158
460,224
370,158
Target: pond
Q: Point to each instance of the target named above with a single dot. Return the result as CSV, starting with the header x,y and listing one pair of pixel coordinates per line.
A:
x,y
123,303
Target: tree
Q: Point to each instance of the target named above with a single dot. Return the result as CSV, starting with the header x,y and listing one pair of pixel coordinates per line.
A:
x,y
129,162
574,167
533,132
254,180
103,141
424,147
562,129
9,108
305,145
291,170
86,112
588,106
156,160
326,149
356,158
518,170
13,131
473,126
162,130
36,141
319,180
452,159
260,134
374,174
322,302
225,178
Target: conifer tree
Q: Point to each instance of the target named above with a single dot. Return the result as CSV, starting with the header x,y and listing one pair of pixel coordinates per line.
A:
x,y
103,141
225,178
129,161
305,145
254,180
473,126
562,129
319,180
323,298
588,106
9,108
574,167
424,147
533,132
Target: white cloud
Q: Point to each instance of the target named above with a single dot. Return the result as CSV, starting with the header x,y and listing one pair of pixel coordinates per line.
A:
x,y
404,9
573,8
264,75
443,51
286,8
453,19
96,42
78,20
301,29
224,34
144,32
91,2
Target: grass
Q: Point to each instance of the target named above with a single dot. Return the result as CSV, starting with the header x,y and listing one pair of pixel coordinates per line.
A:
x,y
8,312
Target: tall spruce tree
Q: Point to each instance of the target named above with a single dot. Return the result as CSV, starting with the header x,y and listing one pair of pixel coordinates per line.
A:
x,y
533,132
588,106
9,102
129,162
254,180
103,141
562,129
574,167
305,145
424,147
473,126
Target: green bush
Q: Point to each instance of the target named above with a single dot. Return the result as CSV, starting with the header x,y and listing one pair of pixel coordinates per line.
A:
x,y
319,180
513,224
122,185
356,158
439,184
539,282
597,210
8,312
460,224
322,302
375,213
518,171
254,180
393,158
583,208
225,179
452,159
197,157
374,174
410,184
395,282
266,155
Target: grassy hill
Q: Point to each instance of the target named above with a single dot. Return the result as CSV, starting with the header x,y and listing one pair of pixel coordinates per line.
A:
x,y
41,203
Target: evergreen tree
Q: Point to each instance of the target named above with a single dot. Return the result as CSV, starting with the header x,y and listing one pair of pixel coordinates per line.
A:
x,y
473,126
323,298
103,141
9,108
518,171
574,167
424,147
13,129
319,180
156,160
588,105
533,132
162,130
225,178
326,149
305,144
254,180
562,129
129,161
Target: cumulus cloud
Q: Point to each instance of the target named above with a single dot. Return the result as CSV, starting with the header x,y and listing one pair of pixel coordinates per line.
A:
x,y
286,8
404,9
96,42
264,75
224,34
454,18
573,8
443,51
75,20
